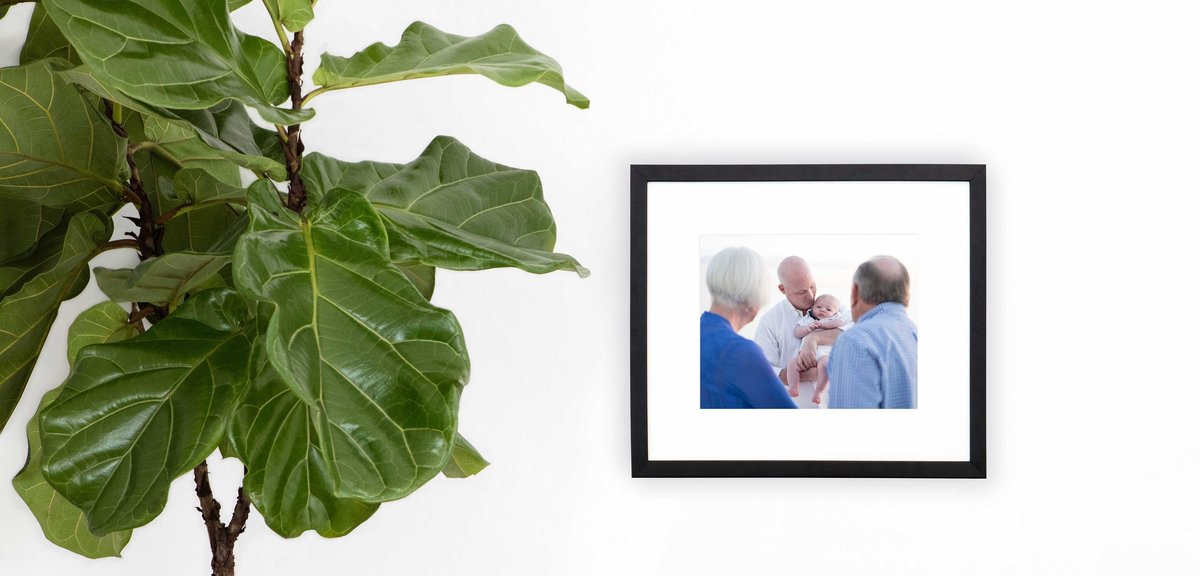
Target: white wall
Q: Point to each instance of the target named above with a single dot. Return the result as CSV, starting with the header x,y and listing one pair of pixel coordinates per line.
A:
x,y
1086,115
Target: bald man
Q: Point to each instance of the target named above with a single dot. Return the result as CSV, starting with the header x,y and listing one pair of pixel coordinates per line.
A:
x,y
875,365
776,328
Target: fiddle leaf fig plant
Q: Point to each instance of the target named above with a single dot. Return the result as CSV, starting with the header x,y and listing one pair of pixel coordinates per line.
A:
x,y
281,308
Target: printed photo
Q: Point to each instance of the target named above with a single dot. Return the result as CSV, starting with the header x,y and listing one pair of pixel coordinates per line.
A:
x,y
809,321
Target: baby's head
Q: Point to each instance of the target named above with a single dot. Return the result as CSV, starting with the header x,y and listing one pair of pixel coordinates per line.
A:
x,y
825,306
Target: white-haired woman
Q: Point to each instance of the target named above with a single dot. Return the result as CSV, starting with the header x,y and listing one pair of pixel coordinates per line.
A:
x,y
734,373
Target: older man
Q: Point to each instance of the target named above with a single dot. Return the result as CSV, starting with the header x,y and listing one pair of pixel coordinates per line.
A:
x,y
875,365
776,328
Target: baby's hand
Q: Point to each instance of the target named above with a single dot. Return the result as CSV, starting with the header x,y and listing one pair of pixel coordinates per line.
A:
x,y
816,326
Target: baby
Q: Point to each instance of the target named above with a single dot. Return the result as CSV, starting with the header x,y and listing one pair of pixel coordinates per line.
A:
x,y
824,315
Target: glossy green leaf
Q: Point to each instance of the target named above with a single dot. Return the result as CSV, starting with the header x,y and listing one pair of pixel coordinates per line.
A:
x,y
56,147
44,40
235,4
176,54
353,338
56,271
453,209
287,479
164,280
291,14
201,230
465,460
228,128
194,185
423,278
225,127
182,145
104,322
16,272
135,415
62,522
23,223
424,51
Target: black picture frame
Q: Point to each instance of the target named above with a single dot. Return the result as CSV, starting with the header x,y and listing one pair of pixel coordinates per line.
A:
x,y
641,176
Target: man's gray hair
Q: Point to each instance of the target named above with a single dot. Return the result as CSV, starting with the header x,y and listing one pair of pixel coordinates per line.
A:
x,y
882,279
738,277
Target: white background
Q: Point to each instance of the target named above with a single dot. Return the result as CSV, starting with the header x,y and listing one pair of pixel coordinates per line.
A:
x,y
1086,114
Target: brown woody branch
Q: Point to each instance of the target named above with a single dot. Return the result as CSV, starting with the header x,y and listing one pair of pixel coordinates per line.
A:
x,y
293,146
221,538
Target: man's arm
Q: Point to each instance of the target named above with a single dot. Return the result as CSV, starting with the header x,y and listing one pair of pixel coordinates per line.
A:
x,y
808,349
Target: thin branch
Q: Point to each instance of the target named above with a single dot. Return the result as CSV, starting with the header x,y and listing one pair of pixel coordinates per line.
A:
x,y
117,245
283,41
241,511
190,207
315,93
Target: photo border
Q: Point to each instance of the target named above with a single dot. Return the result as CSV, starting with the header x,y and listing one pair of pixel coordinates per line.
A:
x,y
642,174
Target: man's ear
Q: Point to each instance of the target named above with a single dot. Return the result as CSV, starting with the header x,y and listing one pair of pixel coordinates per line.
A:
x,y
853,295
781,289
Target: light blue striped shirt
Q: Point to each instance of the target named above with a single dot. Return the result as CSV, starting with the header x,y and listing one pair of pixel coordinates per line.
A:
x,y
874,364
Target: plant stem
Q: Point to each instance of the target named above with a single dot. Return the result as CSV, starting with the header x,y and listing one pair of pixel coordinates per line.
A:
x,y
189,207
149,237
221,538
293,147
118,244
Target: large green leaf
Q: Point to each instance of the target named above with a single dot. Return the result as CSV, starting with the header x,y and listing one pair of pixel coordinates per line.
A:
x,y
135,415
181,144
201,230
56,148
104,322
18,271
182,54
287,479
465,460
56,271
424,52
62,522
423,277
225,127
194,185
453,209
163,280
23,223
45,40
291,14
352,337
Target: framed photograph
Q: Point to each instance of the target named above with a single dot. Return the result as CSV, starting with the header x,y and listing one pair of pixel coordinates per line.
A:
x,y
808,320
